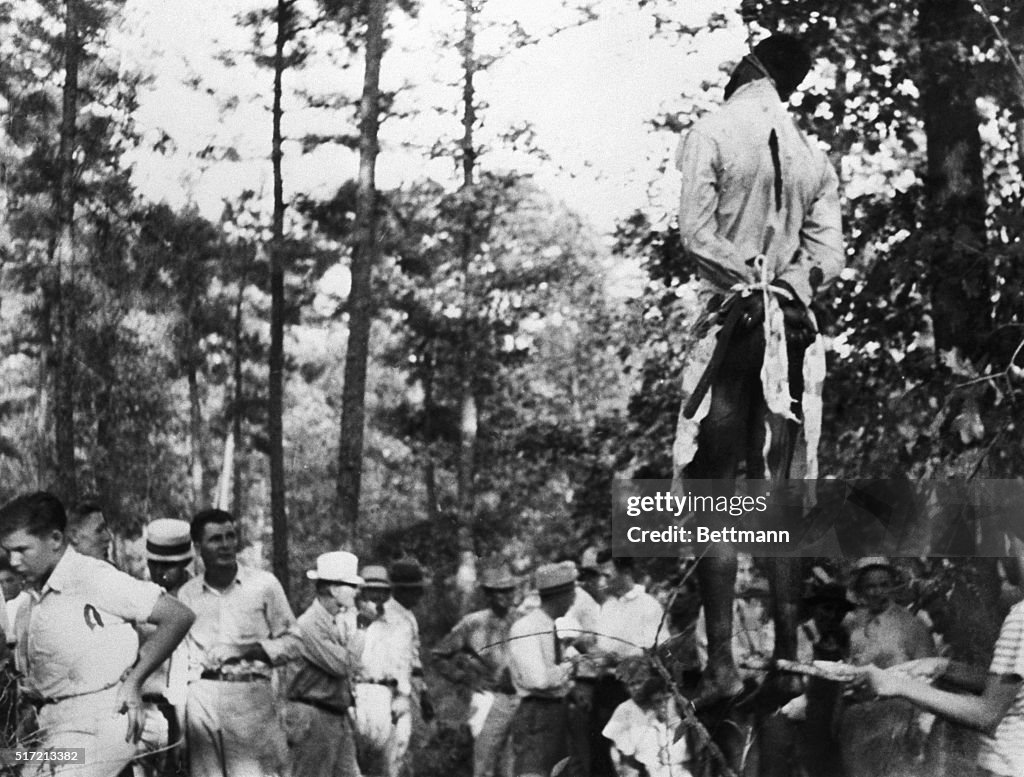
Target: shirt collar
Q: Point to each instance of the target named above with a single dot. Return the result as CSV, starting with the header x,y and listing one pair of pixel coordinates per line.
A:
x,y
242,575
630,595
759,89
321,612
59,576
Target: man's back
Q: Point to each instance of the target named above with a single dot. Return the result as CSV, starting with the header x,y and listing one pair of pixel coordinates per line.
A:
x,y
753,184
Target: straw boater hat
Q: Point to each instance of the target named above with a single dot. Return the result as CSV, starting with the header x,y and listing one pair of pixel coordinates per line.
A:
x,y
554,579
497,578
375,577
168,540
338,566
871,562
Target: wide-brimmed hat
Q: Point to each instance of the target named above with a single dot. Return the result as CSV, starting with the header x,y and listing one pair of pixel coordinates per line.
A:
x,y
497,578
828,593
553,579
406,574
375,576
755,589
338,566
168,540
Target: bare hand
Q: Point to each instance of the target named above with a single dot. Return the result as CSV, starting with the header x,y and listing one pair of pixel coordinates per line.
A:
x,y
222,653
400,705
884,682
129,702
926,669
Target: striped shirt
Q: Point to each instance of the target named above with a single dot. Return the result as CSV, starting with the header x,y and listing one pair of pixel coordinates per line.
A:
x,y
1003,754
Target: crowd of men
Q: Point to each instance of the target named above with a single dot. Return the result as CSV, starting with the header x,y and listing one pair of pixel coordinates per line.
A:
x,y
588,673
189,675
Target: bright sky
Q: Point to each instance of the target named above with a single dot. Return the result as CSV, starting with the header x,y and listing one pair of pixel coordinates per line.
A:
x,y
588,92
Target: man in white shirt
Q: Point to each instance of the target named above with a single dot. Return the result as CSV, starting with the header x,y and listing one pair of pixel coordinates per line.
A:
x,y
77,646
630,621
541,676
231,716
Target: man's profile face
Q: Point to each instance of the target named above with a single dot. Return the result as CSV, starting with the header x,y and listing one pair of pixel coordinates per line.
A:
x,y
218,547
618,583
595,583
11,583
344,594
34,557
91,537
169,575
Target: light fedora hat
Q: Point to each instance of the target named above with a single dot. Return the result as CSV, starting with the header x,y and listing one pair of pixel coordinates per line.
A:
x,y
338,566
168,540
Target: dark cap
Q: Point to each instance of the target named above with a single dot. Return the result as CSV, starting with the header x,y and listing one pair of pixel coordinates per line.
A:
x,y
405,574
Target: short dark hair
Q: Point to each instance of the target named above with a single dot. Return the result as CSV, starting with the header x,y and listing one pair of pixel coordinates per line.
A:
x,y
205,517
38,514
786,59
83,510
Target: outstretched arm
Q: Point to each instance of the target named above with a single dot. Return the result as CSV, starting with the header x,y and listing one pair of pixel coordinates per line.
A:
x,y
982,712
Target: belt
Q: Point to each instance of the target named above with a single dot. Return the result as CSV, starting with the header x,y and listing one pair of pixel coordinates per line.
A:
x,y
42,701
333,710
241,677
393,684
544,699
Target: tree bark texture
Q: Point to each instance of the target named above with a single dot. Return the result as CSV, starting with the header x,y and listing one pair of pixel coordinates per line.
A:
x,y
275,410
63,259
468,410
955,181
237,402
200,494
366,250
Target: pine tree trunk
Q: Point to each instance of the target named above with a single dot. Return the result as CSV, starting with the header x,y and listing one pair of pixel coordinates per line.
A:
x,y
63,258
955,183
200,495
468,409
429,413
364,256
237,405
275,411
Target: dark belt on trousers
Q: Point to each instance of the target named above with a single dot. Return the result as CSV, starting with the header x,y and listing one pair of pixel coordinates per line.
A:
x,y
243,677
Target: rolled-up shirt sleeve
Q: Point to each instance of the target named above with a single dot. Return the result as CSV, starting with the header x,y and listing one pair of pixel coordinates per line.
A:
x,y
697,160
530,670
278,612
